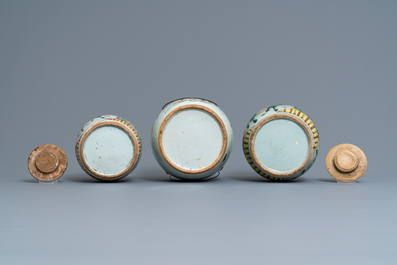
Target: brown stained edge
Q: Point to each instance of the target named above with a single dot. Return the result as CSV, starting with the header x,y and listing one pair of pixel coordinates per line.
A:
x,y
343,176
51,176
109,123
224,143
293,118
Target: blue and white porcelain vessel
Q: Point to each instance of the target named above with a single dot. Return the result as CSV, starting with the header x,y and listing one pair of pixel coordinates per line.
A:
x,y
108,147
280,142
192,138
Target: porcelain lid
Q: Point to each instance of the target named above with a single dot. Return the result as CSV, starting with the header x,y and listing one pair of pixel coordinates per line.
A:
x,y
346,162
47,162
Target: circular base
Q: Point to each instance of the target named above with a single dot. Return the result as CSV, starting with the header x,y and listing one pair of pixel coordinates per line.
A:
x,y
108,150
346,162
281,145
47,163
192,139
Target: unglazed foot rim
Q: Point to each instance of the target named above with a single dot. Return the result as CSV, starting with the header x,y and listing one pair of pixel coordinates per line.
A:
x,y
295,119
224,139
126,130
346,162
47,163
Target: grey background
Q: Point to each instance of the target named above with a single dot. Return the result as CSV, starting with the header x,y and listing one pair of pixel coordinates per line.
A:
x,y
64,62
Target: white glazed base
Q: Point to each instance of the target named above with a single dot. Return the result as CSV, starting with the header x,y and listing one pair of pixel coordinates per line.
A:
x,y
192,139
280,142
281,145
108,150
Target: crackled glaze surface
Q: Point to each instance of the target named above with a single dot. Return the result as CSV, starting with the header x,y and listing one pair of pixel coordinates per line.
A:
x,y
108,147
192,138
280,142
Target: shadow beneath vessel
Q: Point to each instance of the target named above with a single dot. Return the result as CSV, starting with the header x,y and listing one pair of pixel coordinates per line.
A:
x,y
161,176
35,181
264,180
327,180
81,178
30,180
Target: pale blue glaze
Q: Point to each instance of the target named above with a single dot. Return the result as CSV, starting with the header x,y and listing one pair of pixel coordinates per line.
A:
x,y
202,154
108,150
281,145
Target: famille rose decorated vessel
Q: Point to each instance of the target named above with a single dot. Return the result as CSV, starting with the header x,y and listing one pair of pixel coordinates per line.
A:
x,y
192,138
280,142
108,148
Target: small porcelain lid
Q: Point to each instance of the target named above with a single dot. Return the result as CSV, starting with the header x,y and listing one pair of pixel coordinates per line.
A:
x,y
346,162
47,162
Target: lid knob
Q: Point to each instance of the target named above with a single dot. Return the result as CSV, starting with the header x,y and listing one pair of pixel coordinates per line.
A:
x,y
47,162
346,161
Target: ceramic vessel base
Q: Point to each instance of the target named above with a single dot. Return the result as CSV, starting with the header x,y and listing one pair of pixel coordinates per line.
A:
x,y
108,150
281,145
285,145
192,139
